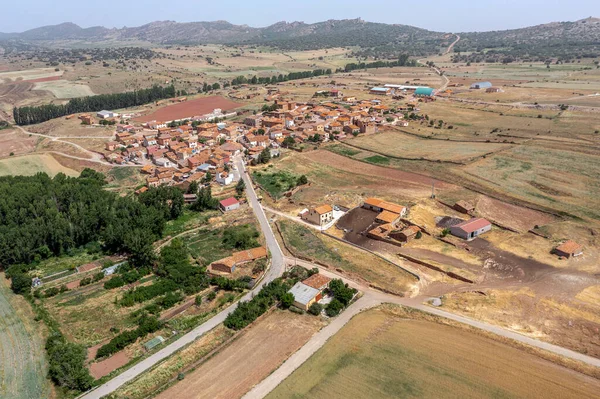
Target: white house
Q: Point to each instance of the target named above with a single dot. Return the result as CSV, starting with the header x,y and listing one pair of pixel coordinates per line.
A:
x,y
224,178
164,162
106,114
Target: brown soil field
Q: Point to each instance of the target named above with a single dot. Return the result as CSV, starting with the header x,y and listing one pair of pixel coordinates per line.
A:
x,y
106,366
16,142
384,353
513,216
47,79
191,108
357,167
249,359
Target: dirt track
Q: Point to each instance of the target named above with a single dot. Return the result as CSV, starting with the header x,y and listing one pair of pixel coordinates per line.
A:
x,y
188,109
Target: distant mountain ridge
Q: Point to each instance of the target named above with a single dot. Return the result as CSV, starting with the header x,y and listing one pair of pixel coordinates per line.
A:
x,y
378,38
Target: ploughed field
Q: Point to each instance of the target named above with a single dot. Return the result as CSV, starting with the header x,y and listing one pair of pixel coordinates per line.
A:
x,y
385,355
189,109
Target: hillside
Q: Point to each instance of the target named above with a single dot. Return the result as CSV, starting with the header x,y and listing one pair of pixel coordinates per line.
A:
x,y
563,40
558,39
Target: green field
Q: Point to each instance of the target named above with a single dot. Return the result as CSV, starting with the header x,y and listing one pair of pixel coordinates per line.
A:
x,y
276,183
29,165
380,354
22,360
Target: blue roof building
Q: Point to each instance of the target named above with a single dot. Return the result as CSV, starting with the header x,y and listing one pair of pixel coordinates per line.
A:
x,y
424,91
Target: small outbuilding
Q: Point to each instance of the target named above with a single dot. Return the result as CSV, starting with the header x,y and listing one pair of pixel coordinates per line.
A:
x,y
229,204
406,235
464,206
568,249
481,85
470,229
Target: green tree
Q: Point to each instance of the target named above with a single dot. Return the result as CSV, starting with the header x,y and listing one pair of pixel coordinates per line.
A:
x,y
240,187
287,300
20,283
334,308
315,309
139,244
302,180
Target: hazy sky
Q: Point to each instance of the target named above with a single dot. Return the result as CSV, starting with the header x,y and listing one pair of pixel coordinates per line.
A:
x,y
447,15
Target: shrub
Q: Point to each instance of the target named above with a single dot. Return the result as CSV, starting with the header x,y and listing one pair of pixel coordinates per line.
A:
x,y
418,235
50,292
445,232
146,325
85,281
211,296
20,283
198,300
297,310
67,364
315,309
334,308
114,282
287,300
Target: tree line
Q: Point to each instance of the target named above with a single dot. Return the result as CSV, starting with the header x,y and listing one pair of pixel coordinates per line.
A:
x,y
31,114
280,78
403,60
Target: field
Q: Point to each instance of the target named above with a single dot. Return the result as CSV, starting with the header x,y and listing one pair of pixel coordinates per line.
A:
x,y
22,361
569,183
385,355
253,355
154,380
359,264
28,165
12,141
29,74
191,108
64,89
275,183
401,145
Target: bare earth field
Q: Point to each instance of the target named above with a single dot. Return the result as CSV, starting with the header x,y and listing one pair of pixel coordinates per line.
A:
x,y
64,89
381,354
12,141
188,109
405,146
249,359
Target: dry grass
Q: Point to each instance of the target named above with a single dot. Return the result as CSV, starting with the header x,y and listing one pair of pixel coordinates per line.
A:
x,y
250,358
29,165
380,354
152,381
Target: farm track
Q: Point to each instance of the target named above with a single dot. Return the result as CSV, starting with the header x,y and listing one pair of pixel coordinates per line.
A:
x,y
22,360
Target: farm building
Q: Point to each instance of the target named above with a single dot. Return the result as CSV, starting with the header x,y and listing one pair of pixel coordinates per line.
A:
x,y
228,264
309,291
464,206
106,114
320,216
569,248
405,235
229,204
384,91
377,205
388,217
470,229
481,85
494,90
424,91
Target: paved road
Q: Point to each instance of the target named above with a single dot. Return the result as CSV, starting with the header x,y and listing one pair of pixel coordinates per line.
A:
x,y
276,269
370,299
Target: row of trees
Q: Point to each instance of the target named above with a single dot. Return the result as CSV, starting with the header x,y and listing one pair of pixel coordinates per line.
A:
x,y
30,115
280,78
403,60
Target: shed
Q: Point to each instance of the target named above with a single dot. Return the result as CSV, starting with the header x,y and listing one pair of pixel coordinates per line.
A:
x,y
569,248
424,91
304,295
464,206
481,85
229,204
470,229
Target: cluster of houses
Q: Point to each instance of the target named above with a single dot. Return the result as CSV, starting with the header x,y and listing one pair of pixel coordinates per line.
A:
x,y
190,151
389,221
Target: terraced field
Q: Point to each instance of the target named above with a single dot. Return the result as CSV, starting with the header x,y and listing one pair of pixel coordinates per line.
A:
x,y
22,359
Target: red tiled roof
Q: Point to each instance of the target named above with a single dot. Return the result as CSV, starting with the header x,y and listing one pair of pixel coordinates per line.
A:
x,y
472,225
317,281
228,202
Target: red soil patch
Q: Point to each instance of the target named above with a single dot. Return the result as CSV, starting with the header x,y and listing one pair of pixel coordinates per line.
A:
x,y
73,284
48,79
91,352
189,109
87,267
105,367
